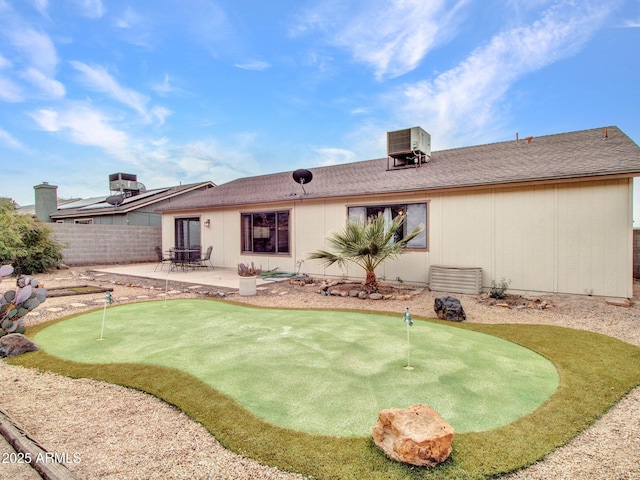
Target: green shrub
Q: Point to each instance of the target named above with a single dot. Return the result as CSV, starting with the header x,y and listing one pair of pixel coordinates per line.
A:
x,y
26,242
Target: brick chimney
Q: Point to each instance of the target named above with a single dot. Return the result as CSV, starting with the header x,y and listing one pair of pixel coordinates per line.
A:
x,y
46,201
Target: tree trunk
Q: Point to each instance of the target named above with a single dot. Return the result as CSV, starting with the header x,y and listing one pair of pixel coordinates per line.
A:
x,y
371,282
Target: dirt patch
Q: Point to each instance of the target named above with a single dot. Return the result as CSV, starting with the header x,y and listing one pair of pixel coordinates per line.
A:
x,y
76,290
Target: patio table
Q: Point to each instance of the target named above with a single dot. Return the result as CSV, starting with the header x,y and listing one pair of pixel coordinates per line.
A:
x,y
184,257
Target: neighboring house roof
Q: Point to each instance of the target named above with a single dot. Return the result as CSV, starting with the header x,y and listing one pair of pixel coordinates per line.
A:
x,y
575,155
96,206
31,209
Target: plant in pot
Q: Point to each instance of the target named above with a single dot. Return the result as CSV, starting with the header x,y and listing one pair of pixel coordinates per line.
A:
x,y
248,274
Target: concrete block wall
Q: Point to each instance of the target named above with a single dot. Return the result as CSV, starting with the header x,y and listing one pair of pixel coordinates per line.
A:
x,y
106,244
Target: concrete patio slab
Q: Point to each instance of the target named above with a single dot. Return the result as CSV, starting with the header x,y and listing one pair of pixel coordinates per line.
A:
x,y
217,277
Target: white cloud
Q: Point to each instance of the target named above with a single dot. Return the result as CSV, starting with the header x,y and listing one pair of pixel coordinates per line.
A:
x,y
392,37
394,40
163,162
37,47
7,139
41,6
467,98
84,126
128,19
253,65
161,113
10,91
4,63
100,80
164,87
91,8
50,86
333,156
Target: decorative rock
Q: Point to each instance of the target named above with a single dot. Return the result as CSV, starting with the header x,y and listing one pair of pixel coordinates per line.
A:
x,y
375,296
618,302
449,308
15,344
353,293
417,435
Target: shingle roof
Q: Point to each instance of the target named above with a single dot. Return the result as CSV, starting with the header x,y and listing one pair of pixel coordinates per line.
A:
x,y
581,154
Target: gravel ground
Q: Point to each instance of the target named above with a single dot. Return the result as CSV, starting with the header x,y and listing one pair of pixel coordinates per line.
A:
x,y
120,433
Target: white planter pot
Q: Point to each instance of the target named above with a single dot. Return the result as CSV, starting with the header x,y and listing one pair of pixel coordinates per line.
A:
x,y
247,285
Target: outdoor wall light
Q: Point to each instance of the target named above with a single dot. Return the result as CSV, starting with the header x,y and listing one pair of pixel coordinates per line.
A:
x,y
207,223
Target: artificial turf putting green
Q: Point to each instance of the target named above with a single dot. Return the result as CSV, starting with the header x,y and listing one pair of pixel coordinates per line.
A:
x,y
595,371
322,372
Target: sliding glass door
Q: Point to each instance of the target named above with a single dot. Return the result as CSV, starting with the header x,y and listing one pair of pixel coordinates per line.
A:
x,y
188,237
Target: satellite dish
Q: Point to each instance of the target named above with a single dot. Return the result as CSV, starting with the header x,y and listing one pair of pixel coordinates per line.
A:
x,y
302,176
115,200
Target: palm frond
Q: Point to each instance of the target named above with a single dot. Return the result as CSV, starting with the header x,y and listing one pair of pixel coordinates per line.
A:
x,y
366,243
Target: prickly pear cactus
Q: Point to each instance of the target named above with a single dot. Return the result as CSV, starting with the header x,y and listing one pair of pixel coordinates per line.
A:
x,y
15,304
248,271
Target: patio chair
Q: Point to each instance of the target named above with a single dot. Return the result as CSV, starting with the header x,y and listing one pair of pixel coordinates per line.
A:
x,y
161,258
202,261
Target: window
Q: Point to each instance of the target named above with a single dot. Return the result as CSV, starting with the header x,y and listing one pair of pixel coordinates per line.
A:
x,y
86,221
416,214
265,232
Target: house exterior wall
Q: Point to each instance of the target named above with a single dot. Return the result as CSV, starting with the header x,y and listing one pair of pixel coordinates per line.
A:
x,y
143,217
573,237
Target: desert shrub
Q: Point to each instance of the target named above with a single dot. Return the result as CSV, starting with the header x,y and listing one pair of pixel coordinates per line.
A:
x,y
26,242
499,289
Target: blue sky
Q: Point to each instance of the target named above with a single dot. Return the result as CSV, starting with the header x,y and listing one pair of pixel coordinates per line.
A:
x,y
193,90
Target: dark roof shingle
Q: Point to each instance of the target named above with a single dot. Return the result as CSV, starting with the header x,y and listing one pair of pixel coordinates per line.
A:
x,y
585,153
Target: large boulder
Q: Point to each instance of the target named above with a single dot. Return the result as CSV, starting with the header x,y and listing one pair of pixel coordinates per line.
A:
x,y
15,344
449,308
417,435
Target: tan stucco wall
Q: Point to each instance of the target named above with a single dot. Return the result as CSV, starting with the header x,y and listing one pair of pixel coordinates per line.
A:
x,y
566,237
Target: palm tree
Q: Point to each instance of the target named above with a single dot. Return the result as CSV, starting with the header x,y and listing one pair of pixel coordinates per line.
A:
x,y
367,244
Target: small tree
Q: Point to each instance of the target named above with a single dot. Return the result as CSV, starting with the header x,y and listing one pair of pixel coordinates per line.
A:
x,y
366,243
26,242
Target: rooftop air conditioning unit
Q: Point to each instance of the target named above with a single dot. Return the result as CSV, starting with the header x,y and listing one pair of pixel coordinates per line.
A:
x,y
125,183
411,146
409,140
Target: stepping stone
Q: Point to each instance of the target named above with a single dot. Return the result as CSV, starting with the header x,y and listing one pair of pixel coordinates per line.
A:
x,y
55,309
78,304
142,296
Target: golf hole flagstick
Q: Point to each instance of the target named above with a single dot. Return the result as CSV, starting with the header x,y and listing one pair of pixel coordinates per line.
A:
x,y
108,300
409,322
